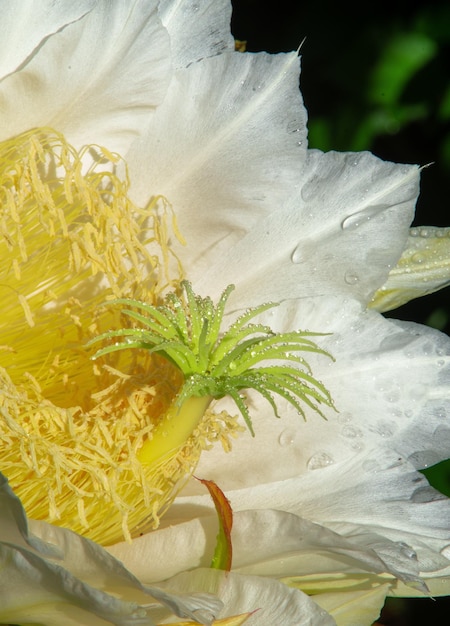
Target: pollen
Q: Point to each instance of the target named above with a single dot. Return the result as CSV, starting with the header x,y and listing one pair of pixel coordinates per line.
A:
x,y
70,428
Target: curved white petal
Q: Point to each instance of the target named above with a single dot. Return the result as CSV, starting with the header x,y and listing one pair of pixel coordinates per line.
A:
x,y
271,601
218,114
27,24
270,543
197,29
340,233
194,537
96,80
354,608
390,383
60,577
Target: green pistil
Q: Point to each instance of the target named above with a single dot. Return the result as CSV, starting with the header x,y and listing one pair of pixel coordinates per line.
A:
x,y
187,331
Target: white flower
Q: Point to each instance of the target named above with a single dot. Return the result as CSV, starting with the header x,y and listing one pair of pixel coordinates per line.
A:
x,y
222,137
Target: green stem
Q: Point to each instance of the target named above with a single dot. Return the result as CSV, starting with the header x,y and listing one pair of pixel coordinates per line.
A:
x,y
174,429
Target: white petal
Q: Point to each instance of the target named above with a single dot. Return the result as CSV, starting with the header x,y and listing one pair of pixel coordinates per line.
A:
x,y
273,602
354,608
33,590
220,113
194,537
89,562
95,80
341,233
391,386
268,543
275,543
424,268
197,29
60,576
389,383
26,24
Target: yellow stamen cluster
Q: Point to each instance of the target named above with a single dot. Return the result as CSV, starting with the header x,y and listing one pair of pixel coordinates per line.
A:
x,y
71,429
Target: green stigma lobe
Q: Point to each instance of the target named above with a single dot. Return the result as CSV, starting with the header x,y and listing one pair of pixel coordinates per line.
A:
x,y
187,331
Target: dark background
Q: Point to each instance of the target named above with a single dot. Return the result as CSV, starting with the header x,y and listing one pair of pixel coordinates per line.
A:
x,y
375,77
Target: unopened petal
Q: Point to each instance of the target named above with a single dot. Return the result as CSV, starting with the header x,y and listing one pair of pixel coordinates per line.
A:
x,y
423,268
270,601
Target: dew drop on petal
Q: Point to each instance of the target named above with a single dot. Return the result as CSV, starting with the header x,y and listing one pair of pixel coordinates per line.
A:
x,y
418,258
440,411
351,278
424,458
302,252
426,494
385,429
287,437
446,552
319,461
371,466
357,219
392,396
309,191
406,550
351,432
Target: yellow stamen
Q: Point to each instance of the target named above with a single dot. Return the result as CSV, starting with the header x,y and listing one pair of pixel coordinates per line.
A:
x,y
73,432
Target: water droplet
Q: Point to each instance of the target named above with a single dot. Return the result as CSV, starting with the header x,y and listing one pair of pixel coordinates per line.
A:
x,y
319,461
309,190
385,429
371,466
392,396
360,217
351,432
344,418
232,366
350,278
293,126
302,252
424,458
287,437
426,494
418,392
418,258
406,550
352,159
446,552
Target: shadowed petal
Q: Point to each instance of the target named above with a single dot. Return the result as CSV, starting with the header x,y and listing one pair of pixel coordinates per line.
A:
x,y
96,80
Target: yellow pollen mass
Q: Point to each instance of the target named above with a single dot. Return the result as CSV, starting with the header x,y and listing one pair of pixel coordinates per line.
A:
x,y
72,430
